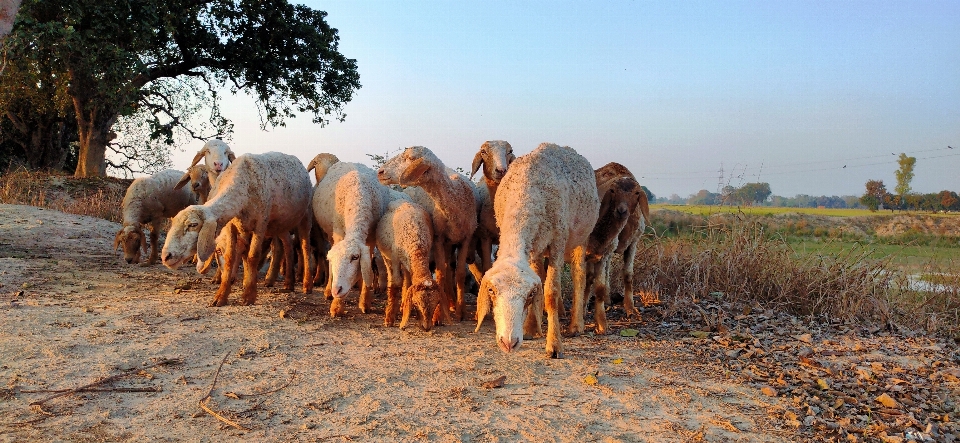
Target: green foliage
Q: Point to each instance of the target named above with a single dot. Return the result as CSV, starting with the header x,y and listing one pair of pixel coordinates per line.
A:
x,y
904,174
650,197
116,59
875,195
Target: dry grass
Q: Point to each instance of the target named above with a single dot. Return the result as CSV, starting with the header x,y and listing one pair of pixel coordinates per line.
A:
x,y
97,197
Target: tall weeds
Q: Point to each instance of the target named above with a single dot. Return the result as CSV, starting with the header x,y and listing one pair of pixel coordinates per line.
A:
x,y
96,197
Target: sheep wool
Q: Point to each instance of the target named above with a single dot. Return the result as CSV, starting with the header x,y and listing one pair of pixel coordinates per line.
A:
x,y
148,201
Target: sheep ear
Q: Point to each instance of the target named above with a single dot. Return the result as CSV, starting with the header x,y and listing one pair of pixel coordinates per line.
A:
x,y
510,158
605,201
183,181
477,162
199,156
207,240
366,266
483,303
644,206
415,171
231,156
116,241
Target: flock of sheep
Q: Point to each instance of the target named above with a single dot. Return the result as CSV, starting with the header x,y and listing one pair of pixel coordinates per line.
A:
x,y
421,222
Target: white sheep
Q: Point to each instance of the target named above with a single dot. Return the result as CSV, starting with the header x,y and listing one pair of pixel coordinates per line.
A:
x,y
347,204
405,240
495,157
149,201
217,156
630,236
546,207
620,196
454,215
266,195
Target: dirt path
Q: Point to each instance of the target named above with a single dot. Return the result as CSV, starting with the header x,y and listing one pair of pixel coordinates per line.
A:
x,y
71,314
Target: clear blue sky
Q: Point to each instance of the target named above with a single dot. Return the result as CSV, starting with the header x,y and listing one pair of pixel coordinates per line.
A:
x,y
785,92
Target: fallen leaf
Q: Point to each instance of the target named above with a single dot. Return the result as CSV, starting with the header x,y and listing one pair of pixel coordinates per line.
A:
x,y
886,400
806,338
629,332
232,395
617,361
768,391
283,314
591,379
699,334
823,384
495,383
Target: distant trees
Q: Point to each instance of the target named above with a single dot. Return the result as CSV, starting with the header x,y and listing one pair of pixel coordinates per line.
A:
x,y
875,196
704,197
904,174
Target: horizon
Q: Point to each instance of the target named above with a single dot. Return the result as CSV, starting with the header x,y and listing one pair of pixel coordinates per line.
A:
x,y
814,98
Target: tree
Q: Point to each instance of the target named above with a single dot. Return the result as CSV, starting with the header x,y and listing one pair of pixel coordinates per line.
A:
x,y
8,12
949,200
904,174
704,197
113,58
751,193
650,197
875,196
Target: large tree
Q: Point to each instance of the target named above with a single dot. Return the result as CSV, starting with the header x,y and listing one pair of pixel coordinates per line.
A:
x,y
876,195
114,58
904,174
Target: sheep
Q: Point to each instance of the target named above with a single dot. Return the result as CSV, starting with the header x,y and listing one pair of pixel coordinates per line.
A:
x,y
148,201
265,195
217,156
454,215
630,235
619,198
347,204
495,157
546,207
229,242
201,181
405,239
320,164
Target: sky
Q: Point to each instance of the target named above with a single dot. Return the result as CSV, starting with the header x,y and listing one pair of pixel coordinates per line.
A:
x,y
813,97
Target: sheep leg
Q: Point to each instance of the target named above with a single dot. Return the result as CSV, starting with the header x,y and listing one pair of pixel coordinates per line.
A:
x,y
578,270
551,292
461,276
442,314
289,270
306,251
367,282
393,290
533,325
250,269
154,239
629,256
406,299
231,255
601,293
277,246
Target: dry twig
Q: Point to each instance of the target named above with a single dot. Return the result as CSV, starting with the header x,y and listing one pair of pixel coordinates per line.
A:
x,y
163,362
203,405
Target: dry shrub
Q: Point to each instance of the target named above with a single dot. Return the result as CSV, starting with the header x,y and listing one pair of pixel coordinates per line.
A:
x,y
738,262
97,197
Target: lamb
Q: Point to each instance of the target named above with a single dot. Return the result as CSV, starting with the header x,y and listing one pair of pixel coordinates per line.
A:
x,y
148,201
454,215
546,207
201,181
216,155
405,239
630,235
265,195
495,157
619,198
347,204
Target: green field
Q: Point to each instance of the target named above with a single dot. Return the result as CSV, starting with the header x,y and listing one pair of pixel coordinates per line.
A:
x,y
911,259
771,210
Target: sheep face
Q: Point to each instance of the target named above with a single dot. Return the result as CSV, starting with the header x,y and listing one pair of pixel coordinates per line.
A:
x,y
495,156
217,156
131,239
425,297
407,167
510,289
193,231
349,259
199,178
621,198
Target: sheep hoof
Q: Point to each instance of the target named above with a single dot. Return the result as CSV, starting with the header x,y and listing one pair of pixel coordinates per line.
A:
x,y
554,354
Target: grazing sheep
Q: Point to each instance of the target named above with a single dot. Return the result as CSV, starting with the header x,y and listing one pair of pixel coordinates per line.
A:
x,y
201,181
216,155
495,157
405,239
320,164
619,197
266,195
630,235
148,201
546,206
347,204
454,215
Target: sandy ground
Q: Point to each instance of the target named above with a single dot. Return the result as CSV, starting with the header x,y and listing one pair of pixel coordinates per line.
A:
x,y
71,313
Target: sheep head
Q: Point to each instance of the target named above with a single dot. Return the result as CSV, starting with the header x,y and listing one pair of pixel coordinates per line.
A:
x,y
425,297
131,238
200,179
408,167
193,231
349,259
620,197
495,157
510,288
216,154
321,163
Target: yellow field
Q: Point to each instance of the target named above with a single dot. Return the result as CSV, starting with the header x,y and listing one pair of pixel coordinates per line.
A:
x,y
770,210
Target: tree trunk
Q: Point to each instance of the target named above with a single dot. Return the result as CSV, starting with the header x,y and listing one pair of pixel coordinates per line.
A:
x,y
94,131
8,12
